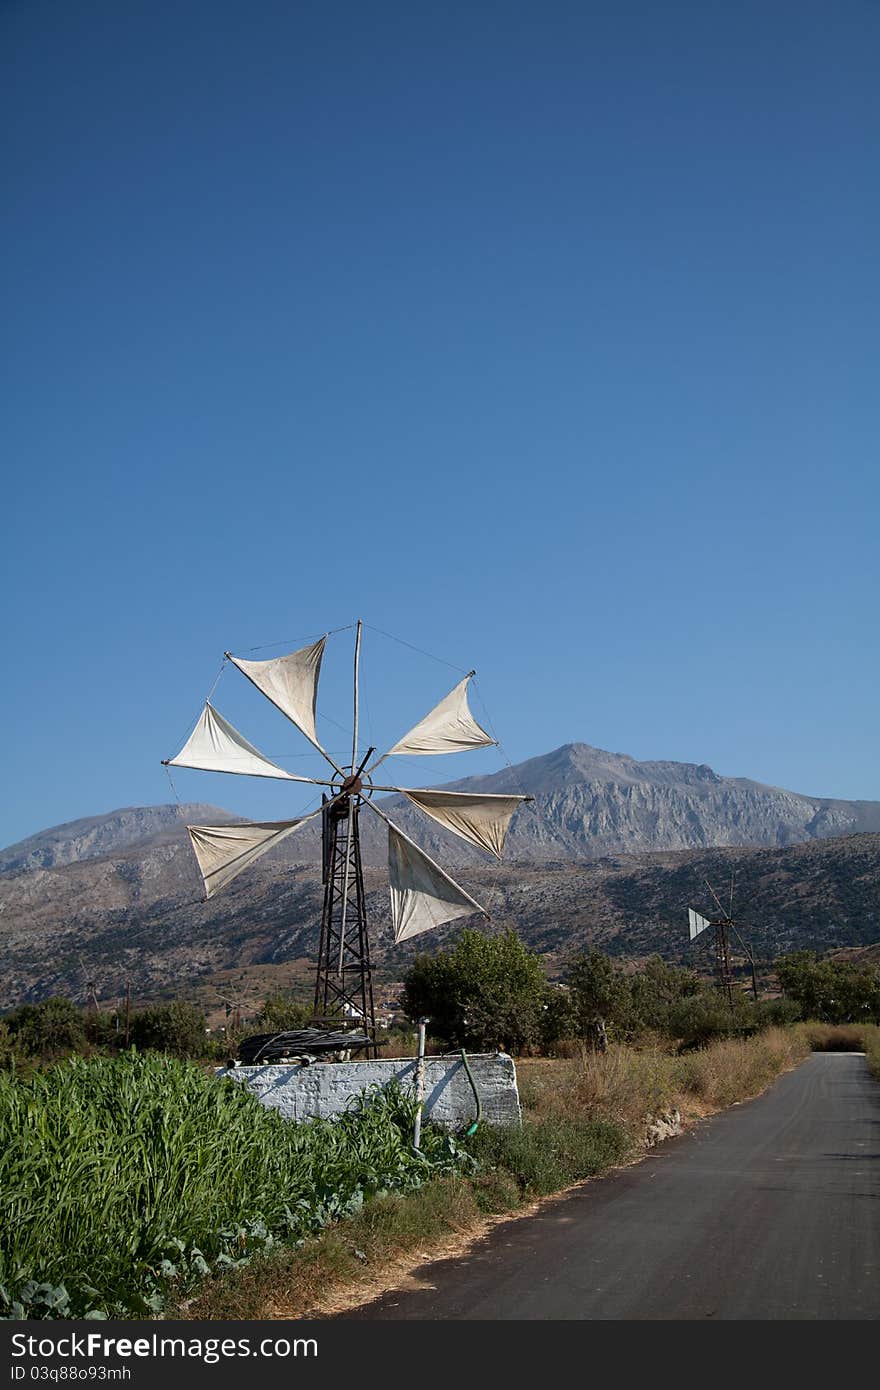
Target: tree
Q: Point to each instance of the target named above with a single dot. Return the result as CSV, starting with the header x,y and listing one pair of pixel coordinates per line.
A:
x,y
833,991
282,1013
559,1019
600,996
178,1028
486,991
48,1029
659,989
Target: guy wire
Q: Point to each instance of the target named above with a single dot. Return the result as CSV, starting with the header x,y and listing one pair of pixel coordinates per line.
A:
x,y
414,648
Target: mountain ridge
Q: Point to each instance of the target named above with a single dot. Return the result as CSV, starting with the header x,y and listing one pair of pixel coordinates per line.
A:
x,y
611,853
588,802
89,837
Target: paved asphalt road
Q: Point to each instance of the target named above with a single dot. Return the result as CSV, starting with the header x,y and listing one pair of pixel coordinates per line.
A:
x,y
770,1210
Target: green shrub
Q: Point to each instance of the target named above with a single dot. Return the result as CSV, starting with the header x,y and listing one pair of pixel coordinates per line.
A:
x,y
48,1030
487,991
778,1013
831,991
282,1013
709,1016
545,1157
178,1028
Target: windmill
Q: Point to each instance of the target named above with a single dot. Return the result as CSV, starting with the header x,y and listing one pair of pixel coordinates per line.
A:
x,y
724,925
423,895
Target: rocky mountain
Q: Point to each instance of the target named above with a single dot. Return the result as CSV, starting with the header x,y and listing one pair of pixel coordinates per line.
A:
x,y
589,803
138,915
98,835
611,852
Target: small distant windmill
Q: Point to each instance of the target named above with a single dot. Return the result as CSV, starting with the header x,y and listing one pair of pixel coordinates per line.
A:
x,y
724,925
423,895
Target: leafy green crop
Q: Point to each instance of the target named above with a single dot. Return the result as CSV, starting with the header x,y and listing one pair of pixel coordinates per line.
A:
x,y
121,1175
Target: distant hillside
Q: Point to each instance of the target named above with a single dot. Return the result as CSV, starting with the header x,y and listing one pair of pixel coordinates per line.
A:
x,y
96,835
611,851
138,914
589,803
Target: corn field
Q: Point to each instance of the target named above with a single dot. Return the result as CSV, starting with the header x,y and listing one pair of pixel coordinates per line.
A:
x,y
123,1177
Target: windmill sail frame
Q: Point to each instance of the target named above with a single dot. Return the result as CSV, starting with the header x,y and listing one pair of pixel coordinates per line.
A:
x,y
423,895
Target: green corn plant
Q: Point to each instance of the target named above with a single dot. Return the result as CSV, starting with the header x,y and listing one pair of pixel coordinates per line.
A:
x,y
119,1176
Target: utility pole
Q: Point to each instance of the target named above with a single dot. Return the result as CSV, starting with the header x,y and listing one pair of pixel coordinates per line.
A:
x,y
92,1009
751,956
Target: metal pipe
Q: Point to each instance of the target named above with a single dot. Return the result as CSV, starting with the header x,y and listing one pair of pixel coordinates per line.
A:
x,y
420,1082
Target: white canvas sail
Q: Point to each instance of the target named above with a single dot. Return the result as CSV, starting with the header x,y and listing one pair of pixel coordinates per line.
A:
x,y
215,746
696,923
290,682
483,820
448,728
223,851
422,895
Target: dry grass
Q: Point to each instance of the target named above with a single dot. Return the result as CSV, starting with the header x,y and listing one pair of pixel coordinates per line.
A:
x,y
736,1069
581,1114
626,1085
845,1037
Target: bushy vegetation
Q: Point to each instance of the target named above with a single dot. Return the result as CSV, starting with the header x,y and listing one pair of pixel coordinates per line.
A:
x,y
604,1003
48,1030
491,991
546,1156
487,991
282,1012
832,991
55,1028
177,1028
120,1177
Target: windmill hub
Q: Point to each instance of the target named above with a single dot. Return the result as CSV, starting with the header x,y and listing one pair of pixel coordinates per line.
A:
x,y
354,785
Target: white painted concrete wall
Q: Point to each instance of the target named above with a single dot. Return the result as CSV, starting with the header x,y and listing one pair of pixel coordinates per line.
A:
x,y
326,1088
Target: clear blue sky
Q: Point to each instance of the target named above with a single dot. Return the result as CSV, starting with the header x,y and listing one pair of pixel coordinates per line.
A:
x,y
541,335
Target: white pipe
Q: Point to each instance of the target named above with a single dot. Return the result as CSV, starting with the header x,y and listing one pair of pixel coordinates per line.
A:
x,y
420,1082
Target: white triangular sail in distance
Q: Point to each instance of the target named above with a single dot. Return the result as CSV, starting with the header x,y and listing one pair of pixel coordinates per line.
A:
x,y
290,682
448,728
482,819
422,895
696,923
224,850
215,746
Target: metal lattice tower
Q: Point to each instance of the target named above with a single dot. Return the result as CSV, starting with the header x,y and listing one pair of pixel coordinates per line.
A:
x,y
343,983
